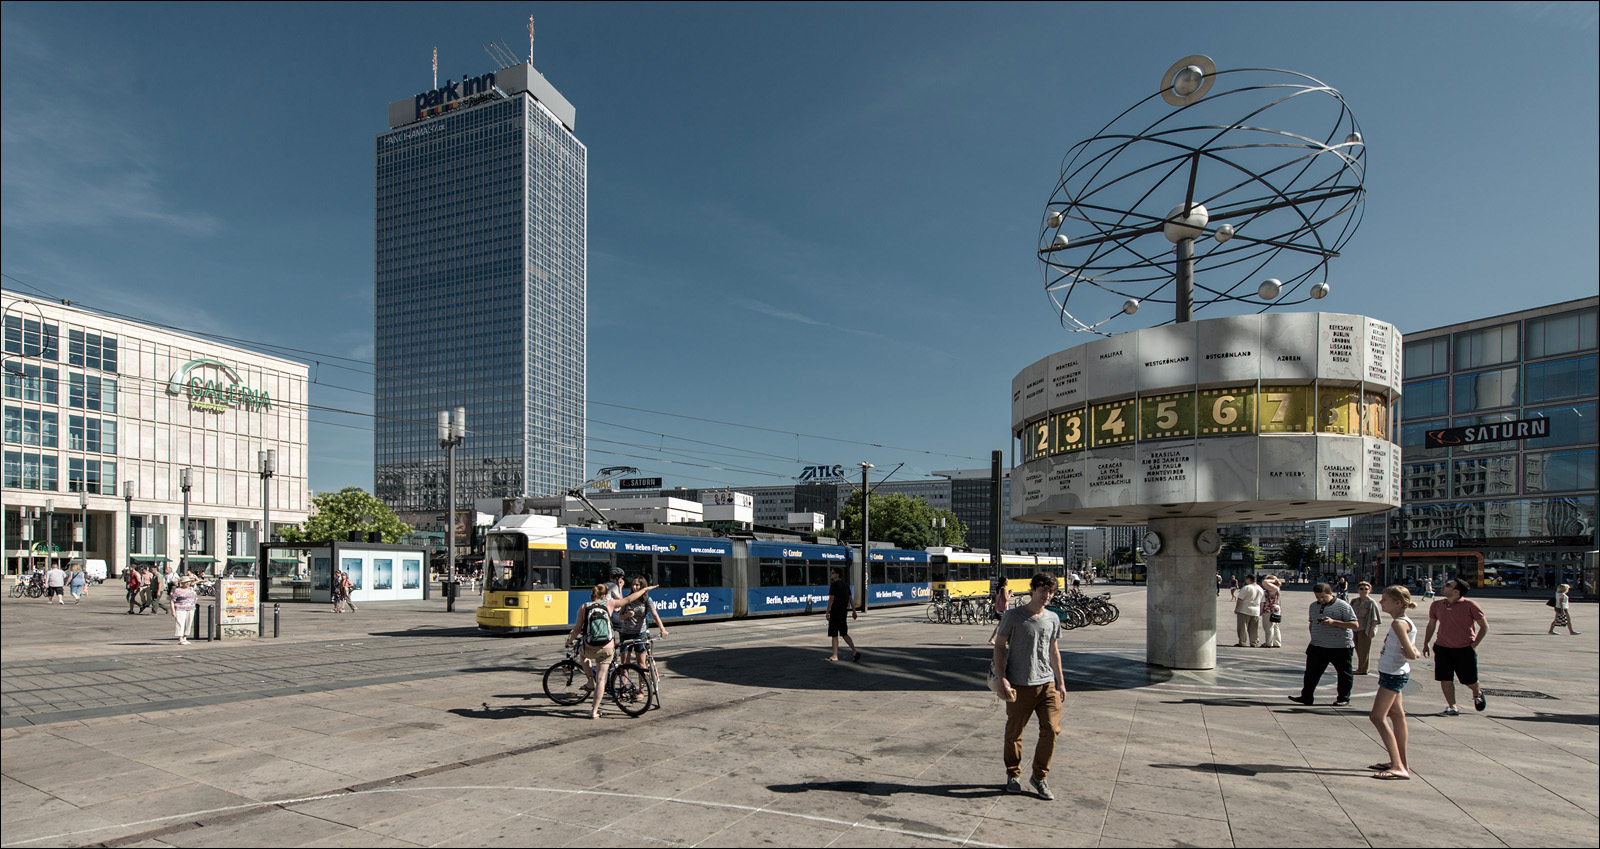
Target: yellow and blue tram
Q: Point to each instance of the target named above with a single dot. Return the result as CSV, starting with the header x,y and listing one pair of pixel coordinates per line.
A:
x,y
960,573
537,575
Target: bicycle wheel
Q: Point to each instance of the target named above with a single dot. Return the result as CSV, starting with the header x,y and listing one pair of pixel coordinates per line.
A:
x,y
629,685
16,591
563,683
933,611
35,592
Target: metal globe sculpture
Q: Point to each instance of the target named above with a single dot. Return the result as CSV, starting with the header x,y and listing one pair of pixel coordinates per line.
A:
x,y
1195,195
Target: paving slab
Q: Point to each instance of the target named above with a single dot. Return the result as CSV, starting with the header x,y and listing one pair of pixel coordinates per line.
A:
x,y
402,728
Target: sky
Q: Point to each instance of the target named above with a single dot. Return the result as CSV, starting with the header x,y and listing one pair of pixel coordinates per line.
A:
x,y
812,227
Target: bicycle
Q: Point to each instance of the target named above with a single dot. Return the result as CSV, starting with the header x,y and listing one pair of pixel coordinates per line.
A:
x,y
566,682
644,647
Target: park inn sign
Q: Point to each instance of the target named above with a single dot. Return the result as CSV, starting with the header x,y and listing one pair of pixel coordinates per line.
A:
x,y
211,394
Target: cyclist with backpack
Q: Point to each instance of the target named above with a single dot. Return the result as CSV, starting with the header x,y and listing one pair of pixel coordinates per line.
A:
x,y
593,626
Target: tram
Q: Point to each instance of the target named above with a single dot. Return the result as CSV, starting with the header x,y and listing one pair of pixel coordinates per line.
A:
x,y
537,575
960,573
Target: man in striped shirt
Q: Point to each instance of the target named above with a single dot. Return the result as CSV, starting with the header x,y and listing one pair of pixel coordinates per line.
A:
x,y
1332,623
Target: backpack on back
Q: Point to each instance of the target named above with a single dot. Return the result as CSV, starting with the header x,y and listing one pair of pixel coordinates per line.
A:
x,y
596,625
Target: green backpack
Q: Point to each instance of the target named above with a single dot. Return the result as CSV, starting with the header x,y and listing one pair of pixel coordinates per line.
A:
x,y
596,625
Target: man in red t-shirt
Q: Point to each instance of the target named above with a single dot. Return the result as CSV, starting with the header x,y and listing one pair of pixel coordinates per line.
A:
x,y
1461,628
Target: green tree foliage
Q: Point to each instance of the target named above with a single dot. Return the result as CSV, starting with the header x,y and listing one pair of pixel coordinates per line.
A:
x,y
1240,543
904,521
1299,554
335,514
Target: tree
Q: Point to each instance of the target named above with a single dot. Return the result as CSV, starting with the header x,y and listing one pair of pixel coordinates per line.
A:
x,y
1240,544
905,521
335,514
1299,555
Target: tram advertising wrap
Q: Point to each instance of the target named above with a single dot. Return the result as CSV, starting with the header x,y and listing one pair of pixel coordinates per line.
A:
x,y
793,577
898,576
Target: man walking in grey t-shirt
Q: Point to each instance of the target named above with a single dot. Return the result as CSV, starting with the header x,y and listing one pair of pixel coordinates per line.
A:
x,y
1332,623
1027,647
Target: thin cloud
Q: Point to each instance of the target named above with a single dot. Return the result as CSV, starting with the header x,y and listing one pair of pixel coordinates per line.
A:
x,y
789,315
70,162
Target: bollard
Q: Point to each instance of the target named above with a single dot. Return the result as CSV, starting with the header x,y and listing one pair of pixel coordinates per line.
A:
x,y
194,624
211,627
276,609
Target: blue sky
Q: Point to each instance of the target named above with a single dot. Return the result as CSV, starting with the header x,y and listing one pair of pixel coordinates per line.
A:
x,y
817,220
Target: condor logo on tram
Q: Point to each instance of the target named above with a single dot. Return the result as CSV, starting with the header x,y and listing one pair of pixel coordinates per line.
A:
x,y
597,544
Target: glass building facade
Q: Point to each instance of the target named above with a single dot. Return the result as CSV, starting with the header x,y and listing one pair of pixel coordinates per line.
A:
x,y
481,295
1527,507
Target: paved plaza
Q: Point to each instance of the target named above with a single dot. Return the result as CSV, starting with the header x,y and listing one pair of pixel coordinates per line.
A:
x,y
399,726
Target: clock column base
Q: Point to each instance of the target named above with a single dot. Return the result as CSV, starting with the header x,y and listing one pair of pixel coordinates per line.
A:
x,y
1181,618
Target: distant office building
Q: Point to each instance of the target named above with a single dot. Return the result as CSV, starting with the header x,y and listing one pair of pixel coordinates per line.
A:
x,y
1519,505
481,290
103,415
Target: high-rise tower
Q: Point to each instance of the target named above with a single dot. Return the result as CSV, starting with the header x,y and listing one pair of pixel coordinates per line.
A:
x,y
481,255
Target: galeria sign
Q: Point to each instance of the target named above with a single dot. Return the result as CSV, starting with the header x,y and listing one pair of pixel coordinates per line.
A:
x,y
212,394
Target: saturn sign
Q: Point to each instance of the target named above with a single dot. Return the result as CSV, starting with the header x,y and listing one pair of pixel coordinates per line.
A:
x,y
212,394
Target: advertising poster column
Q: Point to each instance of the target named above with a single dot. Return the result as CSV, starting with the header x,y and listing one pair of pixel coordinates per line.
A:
x,y
241,609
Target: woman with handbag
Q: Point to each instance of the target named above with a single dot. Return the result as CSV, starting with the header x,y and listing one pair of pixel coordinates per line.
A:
x,y
1563,612
1272,612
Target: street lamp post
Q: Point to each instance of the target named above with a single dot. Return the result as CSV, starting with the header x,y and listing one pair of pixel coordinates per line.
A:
x,y
127,496
185,481
267,463
866,525
452,432
83,527
49,531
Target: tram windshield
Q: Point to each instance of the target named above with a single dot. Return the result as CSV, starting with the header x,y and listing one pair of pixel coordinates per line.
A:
x,y
513,567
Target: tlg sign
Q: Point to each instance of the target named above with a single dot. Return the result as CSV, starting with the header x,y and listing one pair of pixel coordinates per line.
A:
x,y
822,473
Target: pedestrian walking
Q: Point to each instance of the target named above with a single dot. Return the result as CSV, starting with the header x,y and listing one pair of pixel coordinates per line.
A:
x,y
54,580
183,606
1027,650
1461,626
1247,612
133,581
1233,587
1367,621
1332,625
339,590
77,582
1394,670
1563,611
840,604
1219,585
1272,612
1427,589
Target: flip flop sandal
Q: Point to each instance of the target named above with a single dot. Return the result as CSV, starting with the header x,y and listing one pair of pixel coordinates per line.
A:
x,y
857,658
831,659
1386,775
1383,767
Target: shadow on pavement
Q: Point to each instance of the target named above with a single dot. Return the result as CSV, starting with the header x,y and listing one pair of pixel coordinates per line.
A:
x,y
432,631
894,668
1564,718
881,788
1256,769
518,711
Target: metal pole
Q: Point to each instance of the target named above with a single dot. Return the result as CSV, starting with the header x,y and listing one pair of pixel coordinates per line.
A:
x,y
450,596
866,532
276,609
83,522
49,532
1185,280
994,515
127,495
268,460
185,479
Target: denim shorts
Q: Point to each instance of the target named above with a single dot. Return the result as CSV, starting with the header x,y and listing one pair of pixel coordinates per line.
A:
x,y
1396,683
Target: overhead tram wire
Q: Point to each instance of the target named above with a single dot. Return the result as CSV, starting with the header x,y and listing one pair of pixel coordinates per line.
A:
x,y
317,354
156,390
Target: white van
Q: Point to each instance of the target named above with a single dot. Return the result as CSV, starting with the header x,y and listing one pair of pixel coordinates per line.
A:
x,y
94,570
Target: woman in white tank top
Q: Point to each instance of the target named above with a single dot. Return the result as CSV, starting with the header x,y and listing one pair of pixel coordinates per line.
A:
x,y
1394,670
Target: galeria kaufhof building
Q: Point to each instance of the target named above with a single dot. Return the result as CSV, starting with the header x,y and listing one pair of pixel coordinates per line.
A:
x,y
101,417
1523,505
